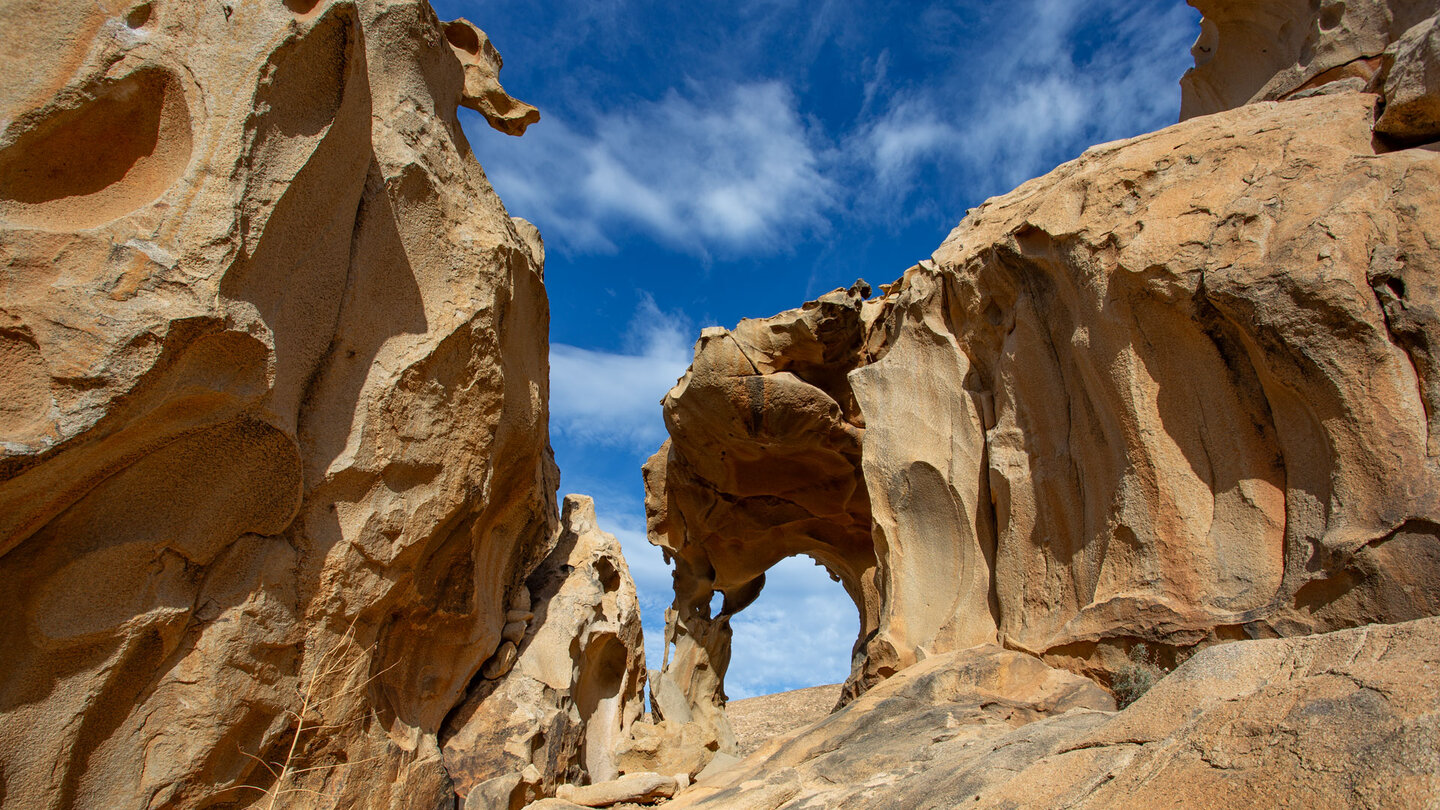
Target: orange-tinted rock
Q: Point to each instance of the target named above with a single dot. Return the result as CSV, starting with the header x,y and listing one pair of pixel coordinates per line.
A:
x,y
273,374
1263,50
1179,390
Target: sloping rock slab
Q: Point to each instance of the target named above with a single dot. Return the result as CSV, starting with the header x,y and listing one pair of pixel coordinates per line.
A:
x,y
1344,719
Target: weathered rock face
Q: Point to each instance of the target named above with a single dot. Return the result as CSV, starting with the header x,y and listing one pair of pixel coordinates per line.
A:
x,y
763,464
274,400
567,681
1410,83
1180,390
1265,50
1345,719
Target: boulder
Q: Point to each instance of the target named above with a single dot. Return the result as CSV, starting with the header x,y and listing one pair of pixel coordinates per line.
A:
x,y
1412,85
667,746
632,788
1266,50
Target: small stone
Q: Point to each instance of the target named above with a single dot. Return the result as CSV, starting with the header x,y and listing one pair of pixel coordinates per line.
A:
x,y
514,631
501,662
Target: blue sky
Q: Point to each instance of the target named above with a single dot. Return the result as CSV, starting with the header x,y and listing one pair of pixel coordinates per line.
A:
x,y
700,163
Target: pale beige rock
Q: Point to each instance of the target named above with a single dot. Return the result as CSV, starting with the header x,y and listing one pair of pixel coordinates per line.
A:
x,y
633,788
1412,85
552,804
574,690
719,764
273,365
667,746
498,793
899,730
1345,719
1264,50
1178,391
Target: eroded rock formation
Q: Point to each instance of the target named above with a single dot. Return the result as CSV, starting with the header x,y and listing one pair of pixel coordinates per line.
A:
x,y
273,372
1251,51
565,685
763,464
1180,391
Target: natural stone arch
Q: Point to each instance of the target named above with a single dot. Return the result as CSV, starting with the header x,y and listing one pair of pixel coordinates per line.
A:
x,y
763,464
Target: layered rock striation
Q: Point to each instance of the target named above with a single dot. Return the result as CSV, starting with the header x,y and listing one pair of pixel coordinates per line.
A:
x,y
273,444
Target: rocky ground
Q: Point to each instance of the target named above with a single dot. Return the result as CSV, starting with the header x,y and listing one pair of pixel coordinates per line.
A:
x,y
759,719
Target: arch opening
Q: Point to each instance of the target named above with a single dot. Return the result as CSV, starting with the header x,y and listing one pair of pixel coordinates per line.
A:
x,y
799,632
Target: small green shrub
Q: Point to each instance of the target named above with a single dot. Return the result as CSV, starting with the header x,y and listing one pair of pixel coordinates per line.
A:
x,y
1135,678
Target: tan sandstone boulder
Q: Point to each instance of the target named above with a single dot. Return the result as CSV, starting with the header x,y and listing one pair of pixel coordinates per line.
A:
x,y
273,381
632,788
572,691
1412,85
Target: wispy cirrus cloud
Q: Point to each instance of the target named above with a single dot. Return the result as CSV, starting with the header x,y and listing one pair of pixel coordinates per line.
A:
x,y
734,167
1058,78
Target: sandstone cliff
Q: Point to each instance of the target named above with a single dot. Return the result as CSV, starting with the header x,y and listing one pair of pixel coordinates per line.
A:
x,y
1179,391
272,401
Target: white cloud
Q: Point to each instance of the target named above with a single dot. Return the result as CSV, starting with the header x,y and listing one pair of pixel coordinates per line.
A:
x,y
909,133
1044,98
798,633
612,399
732,170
